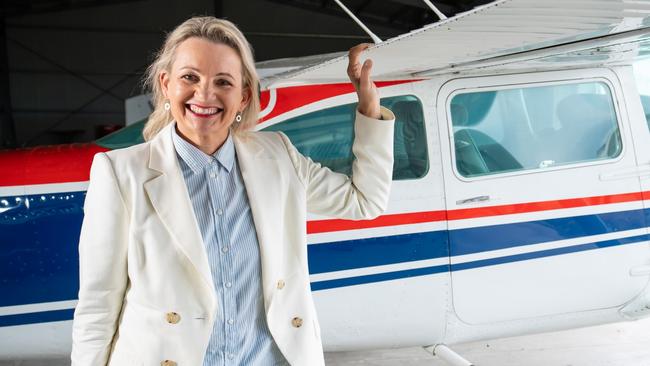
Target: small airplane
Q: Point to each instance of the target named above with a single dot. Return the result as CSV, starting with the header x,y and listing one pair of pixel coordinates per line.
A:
x,y
521,194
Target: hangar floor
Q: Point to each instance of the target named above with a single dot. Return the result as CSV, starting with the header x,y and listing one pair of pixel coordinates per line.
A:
x,y
622,344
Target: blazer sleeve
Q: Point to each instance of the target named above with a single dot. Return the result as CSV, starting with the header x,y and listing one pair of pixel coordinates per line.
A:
x,y
102,267
365,194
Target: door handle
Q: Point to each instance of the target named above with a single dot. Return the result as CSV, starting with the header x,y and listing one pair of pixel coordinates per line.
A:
x,y
634,172
640,271
473,200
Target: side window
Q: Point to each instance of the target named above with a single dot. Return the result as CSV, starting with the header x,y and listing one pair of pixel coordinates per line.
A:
x,y
326,136
125,137
533,127
642,77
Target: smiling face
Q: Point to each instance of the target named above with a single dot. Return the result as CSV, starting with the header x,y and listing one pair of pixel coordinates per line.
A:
x,y
205,90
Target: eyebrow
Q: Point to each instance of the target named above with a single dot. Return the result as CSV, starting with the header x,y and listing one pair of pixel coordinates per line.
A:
x,y
197,70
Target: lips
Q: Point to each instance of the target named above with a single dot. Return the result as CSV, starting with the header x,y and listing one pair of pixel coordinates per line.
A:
x,y
203,111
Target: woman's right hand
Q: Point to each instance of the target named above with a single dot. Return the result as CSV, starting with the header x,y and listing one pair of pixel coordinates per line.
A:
x,y
360,77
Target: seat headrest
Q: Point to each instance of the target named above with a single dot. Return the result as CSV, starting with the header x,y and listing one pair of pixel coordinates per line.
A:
x,y
405,110
459,115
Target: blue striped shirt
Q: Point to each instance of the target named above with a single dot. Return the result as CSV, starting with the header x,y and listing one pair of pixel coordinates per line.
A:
x,y
240,335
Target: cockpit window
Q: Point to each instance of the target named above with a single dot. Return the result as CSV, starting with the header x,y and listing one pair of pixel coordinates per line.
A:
x,y
533,128
326,136
125,137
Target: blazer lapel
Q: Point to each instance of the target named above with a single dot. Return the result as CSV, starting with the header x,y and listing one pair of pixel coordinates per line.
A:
x,y
260,172
168,194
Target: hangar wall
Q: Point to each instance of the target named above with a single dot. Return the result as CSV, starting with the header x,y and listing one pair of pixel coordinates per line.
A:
x,y
71,70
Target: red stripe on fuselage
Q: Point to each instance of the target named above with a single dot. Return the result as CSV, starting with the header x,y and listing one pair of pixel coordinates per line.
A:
x,y
325,226
293,97
47,164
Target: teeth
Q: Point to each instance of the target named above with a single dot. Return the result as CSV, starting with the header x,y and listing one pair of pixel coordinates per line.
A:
x,y
200,110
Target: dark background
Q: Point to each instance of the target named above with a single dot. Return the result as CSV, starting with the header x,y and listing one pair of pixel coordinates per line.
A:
x,y
66,67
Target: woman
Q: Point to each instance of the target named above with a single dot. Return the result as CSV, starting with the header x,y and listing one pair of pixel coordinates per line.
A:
x,y
193,247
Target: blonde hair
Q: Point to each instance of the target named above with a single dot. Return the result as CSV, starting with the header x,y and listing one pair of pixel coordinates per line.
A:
x,y
212,29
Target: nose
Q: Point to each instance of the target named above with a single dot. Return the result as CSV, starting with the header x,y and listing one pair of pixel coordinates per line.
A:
x,y
205,90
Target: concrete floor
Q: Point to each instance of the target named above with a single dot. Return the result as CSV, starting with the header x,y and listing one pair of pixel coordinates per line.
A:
x,y
622,344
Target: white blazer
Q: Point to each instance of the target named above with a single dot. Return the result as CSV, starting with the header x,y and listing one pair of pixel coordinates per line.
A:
x,y
146,295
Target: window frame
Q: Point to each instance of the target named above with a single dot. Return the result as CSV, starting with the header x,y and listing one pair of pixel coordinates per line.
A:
x,y
483,84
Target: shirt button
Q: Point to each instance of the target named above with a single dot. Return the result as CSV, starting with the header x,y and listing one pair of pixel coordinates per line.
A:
x,y
219,212
231,322
231,356
228,284
213,175
225,249
281,284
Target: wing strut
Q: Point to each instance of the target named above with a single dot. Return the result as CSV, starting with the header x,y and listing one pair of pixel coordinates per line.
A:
x,y
363,26
435,10
449,356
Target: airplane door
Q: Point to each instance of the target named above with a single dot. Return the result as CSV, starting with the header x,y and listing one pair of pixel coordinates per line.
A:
x,y
640,72
540,223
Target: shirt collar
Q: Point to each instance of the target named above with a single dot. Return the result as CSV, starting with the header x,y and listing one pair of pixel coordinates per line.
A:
x,y
197,160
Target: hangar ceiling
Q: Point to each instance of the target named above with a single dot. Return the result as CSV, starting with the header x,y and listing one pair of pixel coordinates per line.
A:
x,y
66,66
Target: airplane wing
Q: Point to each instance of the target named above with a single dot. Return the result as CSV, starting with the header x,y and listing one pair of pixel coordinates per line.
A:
x,y
495,30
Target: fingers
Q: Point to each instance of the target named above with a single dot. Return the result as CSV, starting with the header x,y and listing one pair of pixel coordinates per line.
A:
x,y
355,52
364,78
354,68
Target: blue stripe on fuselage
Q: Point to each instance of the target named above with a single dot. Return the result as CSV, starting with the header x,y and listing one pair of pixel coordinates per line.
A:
x,y
494,237
34,318
360,253
39,258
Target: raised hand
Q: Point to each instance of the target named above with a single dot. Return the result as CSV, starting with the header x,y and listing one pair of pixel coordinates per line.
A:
x,y
360,78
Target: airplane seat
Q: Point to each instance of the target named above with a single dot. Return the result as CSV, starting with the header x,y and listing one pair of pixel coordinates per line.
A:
x,y
589,129
410,140
476,152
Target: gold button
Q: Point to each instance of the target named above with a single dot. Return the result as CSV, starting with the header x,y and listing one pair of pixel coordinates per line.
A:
x,y
296,322
280,284
168,363
173,318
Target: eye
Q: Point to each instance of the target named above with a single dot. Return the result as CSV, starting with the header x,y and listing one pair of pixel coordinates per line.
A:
x,y
223,82
190,77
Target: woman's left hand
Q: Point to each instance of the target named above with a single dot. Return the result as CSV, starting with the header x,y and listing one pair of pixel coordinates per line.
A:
x,y
360,78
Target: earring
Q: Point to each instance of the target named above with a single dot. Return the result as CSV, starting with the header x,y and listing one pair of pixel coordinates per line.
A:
x,y
238,117
167,106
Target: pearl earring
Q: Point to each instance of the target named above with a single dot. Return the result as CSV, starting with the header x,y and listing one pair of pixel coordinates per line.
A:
x,y
167,106
238,117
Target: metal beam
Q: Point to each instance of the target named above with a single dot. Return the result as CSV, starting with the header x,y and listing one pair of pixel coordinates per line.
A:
x,y
18,8
323,8
7,127
359,22
85,29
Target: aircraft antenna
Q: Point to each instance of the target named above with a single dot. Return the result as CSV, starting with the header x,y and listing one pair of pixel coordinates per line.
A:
x,y
363,26
435,10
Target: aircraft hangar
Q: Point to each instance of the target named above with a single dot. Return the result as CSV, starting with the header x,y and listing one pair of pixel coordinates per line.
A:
x,y
69,67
